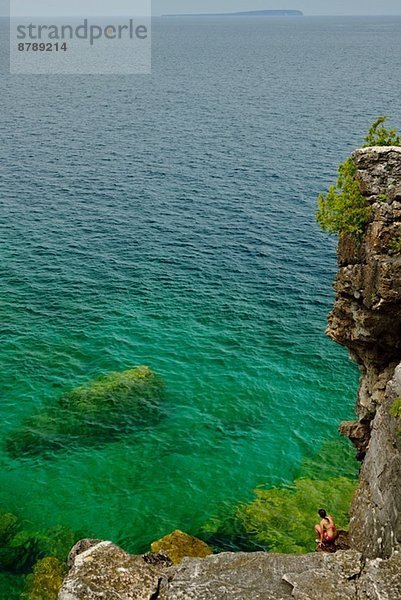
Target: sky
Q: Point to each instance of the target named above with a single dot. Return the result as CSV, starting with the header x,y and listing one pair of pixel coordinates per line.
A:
x,y
114,7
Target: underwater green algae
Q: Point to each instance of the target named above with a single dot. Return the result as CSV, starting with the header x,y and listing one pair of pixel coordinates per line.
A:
x,y
11,586
34,561
282,519
91,414
334,458
277,520
46,580
21,546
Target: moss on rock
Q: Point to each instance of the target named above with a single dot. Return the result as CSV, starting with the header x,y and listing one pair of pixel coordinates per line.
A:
x,y
177,545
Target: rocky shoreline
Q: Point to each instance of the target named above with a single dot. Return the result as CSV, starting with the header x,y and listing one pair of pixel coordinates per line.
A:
x,y
106,571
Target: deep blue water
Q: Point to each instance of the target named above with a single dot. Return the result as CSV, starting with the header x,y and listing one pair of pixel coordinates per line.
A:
x,y
168,220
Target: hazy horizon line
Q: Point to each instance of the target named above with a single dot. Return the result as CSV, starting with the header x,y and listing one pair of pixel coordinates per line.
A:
x,y
190,15
237,14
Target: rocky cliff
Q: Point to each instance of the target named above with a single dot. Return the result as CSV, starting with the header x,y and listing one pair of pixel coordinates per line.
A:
x,y
105,571
366,318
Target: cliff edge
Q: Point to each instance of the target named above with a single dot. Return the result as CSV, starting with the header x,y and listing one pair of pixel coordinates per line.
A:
x,y
366,318
105,571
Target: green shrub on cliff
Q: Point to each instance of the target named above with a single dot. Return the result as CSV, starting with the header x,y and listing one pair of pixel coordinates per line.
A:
x,y
344,210
91,414
395,411
379,135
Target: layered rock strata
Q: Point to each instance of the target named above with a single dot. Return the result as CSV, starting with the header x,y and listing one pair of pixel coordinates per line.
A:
x,y
366,318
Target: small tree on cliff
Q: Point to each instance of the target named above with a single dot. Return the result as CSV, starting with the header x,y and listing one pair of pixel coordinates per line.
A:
x,y
379,135
343,210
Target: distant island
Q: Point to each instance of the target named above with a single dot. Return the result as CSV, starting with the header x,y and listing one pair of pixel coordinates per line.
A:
x,y
251,13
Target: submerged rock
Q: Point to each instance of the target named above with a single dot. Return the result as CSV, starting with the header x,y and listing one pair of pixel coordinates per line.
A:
x,y
177,545
94,413
283,519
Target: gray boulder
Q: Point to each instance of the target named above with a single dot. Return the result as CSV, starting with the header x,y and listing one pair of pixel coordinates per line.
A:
x,y
105,571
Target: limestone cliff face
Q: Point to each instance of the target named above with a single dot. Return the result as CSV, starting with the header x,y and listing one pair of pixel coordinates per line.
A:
x,y
366,318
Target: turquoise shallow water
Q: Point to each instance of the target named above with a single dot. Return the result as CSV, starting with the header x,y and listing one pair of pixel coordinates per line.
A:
x,y
169,221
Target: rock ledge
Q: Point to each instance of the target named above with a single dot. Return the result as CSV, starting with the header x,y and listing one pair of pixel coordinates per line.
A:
x,y
106,572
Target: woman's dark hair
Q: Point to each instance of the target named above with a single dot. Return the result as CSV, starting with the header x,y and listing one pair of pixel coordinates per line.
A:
x,y
322,513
